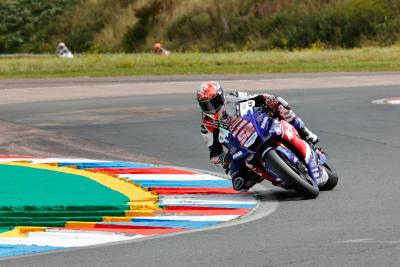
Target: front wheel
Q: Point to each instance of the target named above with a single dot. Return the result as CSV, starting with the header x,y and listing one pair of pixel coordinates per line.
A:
x,y
300,182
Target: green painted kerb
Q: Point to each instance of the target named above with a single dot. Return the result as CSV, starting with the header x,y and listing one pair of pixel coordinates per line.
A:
x,y
5,229
30,196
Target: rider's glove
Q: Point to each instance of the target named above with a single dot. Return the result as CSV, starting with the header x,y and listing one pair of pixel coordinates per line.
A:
x,y
227,162
272,103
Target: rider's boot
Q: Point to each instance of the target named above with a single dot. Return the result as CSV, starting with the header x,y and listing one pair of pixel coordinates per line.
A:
x,y
242,183
303,131
309,136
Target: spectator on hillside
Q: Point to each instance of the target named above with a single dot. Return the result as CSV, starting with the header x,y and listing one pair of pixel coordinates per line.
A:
x,y
63,51
159,50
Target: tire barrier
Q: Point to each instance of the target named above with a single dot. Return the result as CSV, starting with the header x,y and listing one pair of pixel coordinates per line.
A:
x,y
54,203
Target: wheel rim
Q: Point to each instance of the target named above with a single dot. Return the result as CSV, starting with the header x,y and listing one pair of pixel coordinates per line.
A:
x,y
303,175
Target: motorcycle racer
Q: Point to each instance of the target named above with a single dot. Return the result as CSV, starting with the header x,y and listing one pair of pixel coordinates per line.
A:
x,y
211,99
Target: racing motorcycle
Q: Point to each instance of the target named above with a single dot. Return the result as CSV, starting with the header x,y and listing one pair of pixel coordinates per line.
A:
x,y
274,150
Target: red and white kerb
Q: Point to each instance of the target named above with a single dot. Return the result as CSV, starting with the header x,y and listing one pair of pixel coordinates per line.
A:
x,y
392,101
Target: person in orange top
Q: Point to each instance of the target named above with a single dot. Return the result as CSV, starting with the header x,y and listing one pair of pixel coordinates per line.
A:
x,y
158,49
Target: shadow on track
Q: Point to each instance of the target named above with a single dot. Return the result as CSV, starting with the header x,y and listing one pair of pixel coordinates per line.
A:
x,y
277,195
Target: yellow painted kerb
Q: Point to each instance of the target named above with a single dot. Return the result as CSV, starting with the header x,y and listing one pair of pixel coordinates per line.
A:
x,y
141,201
22,231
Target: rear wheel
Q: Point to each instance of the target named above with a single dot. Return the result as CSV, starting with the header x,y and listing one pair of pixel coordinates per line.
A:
x,y
332,178
296,179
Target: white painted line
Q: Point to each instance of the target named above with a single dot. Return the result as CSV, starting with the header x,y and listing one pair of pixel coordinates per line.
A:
x,y
14,159
369,240
65,238
52,160
169,177
206,199
200,218
241,197
63,160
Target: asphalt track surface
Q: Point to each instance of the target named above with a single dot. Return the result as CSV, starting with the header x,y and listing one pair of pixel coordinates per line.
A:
x,y
357,224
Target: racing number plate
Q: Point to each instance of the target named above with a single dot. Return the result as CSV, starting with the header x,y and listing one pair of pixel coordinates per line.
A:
x,y
244,107
247,135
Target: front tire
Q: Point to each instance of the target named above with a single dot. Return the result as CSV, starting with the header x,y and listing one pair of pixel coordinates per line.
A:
x,y
332,178
281,166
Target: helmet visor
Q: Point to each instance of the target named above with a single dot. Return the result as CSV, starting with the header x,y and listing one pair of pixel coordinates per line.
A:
x,y
213,105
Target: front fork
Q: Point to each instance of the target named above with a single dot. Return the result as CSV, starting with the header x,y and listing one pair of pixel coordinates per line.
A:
x,y
282,130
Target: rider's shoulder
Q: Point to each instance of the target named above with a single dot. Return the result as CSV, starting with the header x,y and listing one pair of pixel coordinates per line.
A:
x,y
243,96
237,96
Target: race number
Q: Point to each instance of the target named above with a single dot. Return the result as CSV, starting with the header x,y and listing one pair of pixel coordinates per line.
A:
x,y
245,134
244,107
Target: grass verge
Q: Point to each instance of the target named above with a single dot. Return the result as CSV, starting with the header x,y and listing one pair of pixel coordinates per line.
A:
x,y
363,59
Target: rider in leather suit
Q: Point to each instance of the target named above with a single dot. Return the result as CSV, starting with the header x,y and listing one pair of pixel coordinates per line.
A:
x,y
211,99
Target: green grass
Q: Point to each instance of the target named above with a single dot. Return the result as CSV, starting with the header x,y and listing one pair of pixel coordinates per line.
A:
x,y
364,59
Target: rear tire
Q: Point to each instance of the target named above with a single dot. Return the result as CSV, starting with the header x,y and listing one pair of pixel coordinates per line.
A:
x,y
332,178
301,183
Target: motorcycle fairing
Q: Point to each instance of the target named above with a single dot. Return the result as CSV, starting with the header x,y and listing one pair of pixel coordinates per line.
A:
x,y
321,157
285,131
257,124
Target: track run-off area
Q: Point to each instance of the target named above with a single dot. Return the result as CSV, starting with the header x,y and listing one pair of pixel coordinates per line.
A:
x,y
156,120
